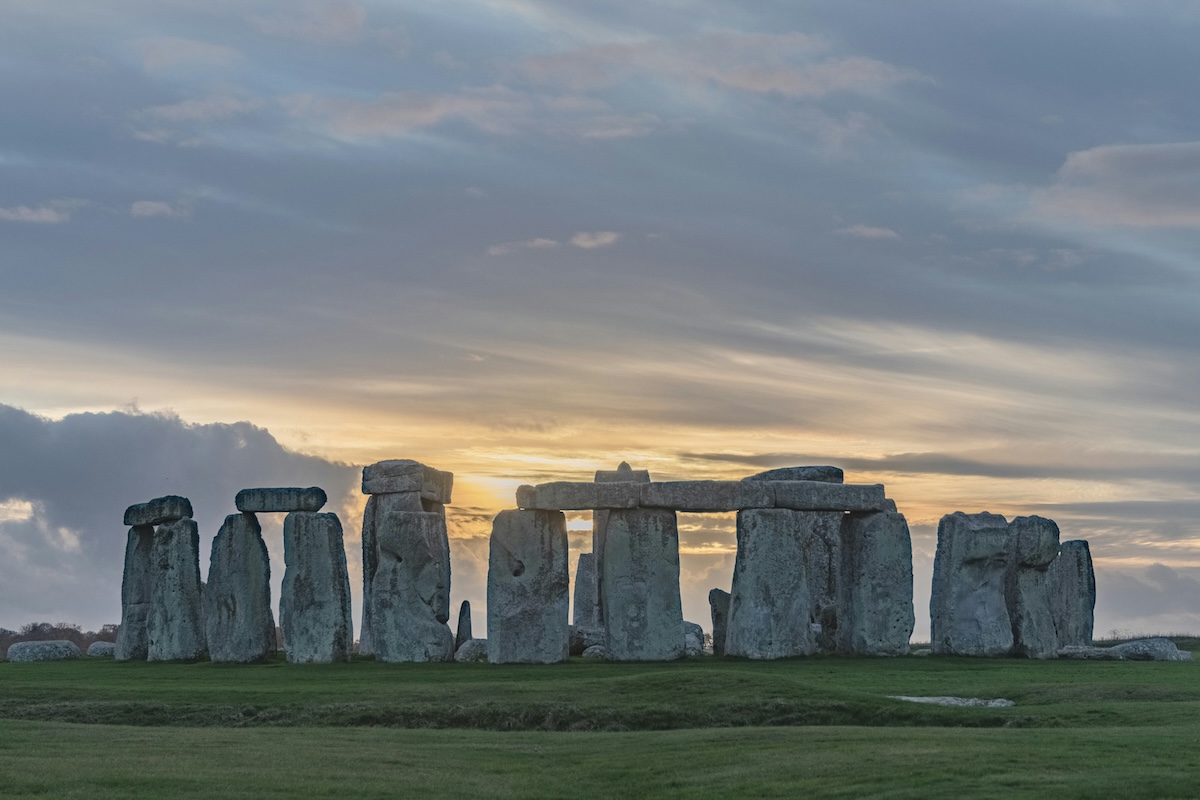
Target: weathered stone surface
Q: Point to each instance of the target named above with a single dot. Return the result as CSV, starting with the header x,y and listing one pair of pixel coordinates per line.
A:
x,y
718,604
567,496
693,639
643,615
410,592
402,475
707,495
282,499
133,643
821,496
622,474
314,602
875,587
158,511
1033,545
584,605
1154,649
528,583
54,650
822,474
239,625
101,649
462,633
581,638
967,609
598,651
822,561
770,607
472,650
1073,594
379,504
175,624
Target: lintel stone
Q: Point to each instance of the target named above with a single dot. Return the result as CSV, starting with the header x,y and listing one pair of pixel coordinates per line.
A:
x,y
280,500
821,496
707,495
568,496
404,475
159,511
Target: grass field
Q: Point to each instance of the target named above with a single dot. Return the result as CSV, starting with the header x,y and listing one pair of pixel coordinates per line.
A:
x,y
706,727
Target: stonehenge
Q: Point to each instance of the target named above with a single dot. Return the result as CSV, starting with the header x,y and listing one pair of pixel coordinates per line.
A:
x,y
1073,594
968,612
584,600
410,590
314,603
462,634
639,581
239,625
175,622
875,585
527,588
1034,544
718,603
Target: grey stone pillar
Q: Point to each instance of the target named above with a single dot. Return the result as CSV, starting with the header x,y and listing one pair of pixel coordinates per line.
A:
x,y
314,603
718,605
132,641
1073,594
175,625
463,633
875,587
410,592
968,612
527,588
1033,546
643,616
584,614
239,624
622,474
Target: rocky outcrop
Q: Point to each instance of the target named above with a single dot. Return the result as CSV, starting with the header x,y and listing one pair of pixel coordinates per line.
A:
x,y
239,625
584,605
1033,545
718,604
770,608
639,586
410,592
54,650
967,609
175,623
875,587
314,604
528,583
133,642
250,501
462,634
1073,594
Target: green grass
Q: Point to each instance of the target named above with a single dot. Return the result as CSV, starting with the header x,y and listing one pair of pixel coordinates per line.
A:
x,y
699,728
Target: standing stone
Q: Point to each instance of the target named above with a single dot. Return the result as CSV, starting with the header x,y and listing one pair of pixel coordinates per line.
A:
x,y
314,602
643,615
585,591
822,564
622,474
1033,544
770,605
410,593
718,603
175,624
528,581
875,587
463,633
1073,594
967,609
378,504
237,598
133,643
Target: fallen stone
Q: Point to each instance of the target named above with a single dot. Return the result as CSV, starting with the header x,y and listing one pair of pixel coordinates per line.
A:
x,y
239,625
962,702
1153,649
566,496
922,651
693,639
622,474
410,592
822,474
1073,594
54,650
821,496
133,642
158,511
402,475
875,587
1033,545
378,504
718,604
272,500
596,651
175,624
581,638
462,633
769,606
967,608
314,603
643,615
471,651
584,605
101,649
528,588
707,495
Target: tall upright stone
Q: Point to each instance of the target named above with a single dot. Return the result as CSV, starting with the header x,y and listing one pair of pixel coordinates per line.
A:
x,y
643,615
528,583
463,633
410,592
875,587
718,606
132,640
770,603
1033,543
1073,594
967,607
175,624
584,614
239,624
314,602
622,474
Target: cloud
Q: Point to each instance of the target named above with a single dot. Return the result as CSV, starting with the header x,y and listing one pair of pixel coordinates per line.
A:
x,y
861,231
590,241
393,114
162,53
48,215
1136,186
317,21
205,109
158,208
531,244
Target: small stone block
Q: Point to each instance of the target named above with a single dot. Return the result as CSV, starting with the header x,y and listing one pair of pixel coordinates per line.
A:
x,y
281,500
159,510
402,475
822,474
566,496
820,496
708,495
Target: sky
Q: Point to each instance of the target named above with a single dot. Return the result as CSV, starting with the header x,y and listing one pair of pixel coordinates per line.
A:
x,y
950,247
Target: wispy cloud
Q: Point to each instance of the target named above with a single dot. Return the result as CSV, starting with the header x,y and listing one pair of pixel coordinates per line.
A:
x,y
163,53
318,21
861,231
158,208
590,241
52,213
530,244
